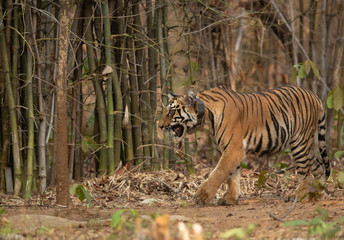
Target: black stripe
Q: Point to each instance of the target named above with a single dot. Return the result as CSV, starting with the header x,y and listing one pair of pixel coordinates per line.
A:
x,y
259,146
228,143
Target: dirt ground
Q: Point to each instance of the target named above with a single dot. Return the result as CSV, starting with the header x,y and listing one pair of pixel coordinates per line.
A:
x,y
259,213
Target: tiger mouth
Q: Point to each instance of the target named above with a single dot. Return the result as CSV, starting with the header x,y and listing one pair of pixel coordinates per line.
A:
x,y
178,130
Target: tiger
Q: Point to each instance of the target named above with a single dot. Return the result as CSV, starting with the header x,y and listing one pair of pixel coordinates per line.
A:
x,y
262,123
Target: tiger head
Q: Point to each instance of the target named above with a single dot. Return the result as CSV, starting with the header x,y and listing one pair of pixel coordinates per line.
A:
x,y
182,114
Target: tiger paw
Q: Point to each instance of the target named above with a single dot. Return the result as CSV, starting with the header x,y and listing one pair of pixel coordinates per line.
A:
x,y
302,189
203,197
228,201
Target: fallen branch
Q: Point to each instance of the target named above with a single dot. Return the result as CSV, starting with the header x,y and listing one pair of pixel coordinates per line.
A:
x,y
286,214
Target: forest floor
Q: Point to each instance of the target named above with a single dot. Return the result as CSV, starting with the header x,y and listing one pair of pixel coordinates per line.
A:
x,y
160,204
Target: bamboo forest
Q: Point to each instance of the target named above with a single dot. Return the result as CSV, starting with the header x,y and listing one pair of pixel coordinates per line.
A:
x,y
83,85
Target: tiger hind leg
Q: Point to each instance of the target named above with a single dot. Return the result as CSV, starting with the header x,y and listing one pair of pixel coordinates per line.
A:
x,y
308,166
233,193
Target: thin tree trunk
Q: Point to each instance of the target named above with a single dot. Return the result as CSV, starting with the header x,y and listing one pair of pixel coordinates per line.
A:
x,y
12,111
62,183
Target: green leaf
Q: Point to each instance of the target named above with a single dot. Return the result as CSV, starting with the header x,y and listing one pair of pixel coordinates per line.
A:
x,y
295,223
194,67
72,189
329,100
80,193
294,74
338,154
338,98
243,165
307,67
134,213
323,213
237,233
87,195
284,165
262,178
316,221
116,218
2,211
84,145
340,177
315,70
302,73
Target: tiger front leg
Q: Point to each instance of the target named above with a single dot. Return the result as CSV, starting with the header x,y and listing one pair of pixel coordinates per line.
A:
x,y
227,166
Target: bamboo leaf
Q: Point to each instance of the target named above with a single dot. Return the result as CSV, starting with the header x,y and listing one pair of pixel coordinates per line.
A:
x,y
329,100
84,145
315,69
307,67
302,73
107,70
294,74
340,177
338,154
338,98
262,178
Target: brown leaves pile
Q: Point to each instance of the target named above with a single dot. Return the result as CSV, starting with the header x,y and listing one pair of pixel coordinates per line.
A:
x,y
132,188
135,187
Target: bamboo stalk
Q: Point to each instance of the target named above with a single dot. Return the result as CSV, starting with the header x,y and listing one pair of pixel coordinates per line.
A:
x,y
134,103
152,76
141,72
163,70
188,158
116,84
77,92
100,102
126,126
12,111
110,105
29,108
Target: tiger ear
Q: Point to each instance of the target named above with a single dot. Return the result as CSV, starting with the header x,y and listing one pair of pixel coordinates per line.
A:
x,y
191,95
170,96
